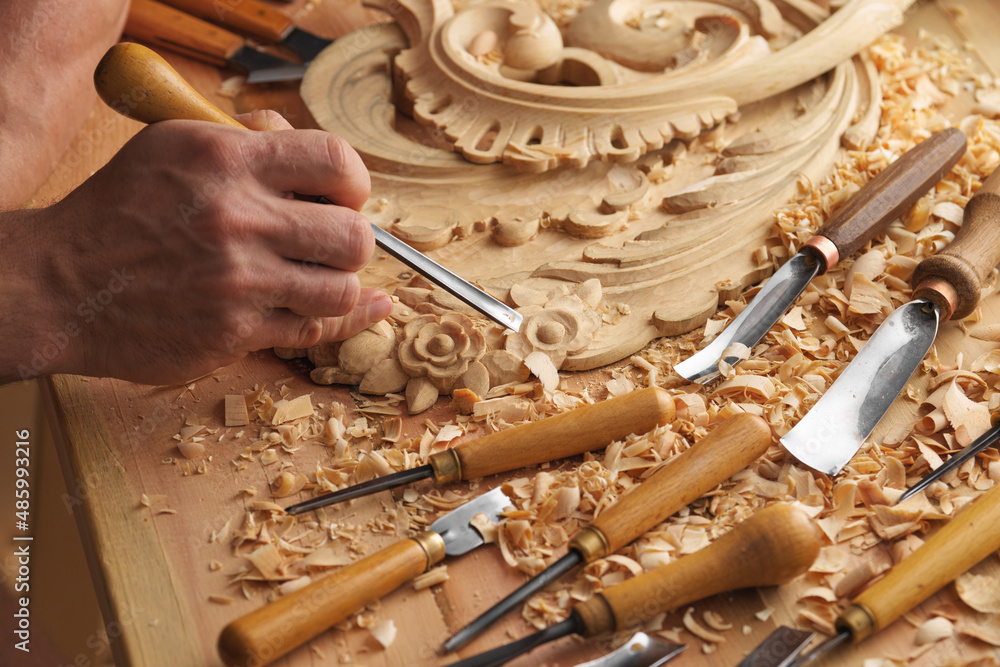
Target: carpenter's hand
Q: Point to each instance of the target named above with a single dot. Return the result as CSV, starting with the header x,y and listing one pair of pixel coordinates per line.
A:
x,y
187,250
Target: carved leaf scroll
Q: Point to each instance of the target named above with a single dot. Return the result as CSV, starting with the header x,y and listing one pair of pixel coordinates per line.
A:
x,y
667,178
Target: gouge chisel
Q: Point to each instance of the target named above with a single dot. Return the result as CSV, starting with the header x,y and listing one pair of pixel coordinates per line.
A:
x,y
969,537
577,431
729,448
772,547
266,634
865,215
947,286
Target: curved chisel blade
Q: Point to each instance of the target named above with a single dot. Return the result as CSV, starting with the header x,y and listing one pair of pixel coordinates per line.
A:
x,y
833,430
639,651
459,536
755,320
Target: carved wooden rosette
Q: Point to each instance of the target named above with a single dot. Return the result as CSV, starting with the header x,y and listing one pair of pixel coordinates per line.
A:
x,y
656,172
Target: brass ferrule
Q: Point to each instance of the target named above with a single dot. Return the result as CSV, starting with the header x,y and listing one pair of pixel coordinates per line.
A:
x,y
447,466
941,293
859,621
590,543
433,546
826,251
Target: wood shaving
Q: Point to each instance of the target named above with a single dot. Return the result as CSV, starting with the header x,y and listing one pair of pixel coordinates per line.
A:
x,y
432,577
981,592
698,631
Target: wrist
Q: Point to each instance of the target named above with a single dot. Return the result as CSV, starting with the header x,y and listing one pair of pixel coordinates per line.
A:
x,y
38,335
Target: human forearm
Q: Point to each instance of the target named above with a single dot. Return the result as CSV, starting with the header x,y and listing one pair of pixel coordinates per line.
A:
x,y
48,54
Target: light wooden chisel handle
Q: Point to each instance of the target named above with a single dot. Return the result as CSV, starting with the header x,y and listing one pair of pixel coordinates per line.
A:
x,y
969,537
273,630
137,83
962,267
574,432
893,191
772,547
732,446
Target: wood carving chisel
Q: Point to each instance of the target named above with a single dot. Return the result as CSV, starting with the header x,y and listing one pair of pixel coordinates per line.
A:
x,y
154,91
729,448
865,215
266,634
255,19
574,432
947,286
169,28
987,439
770,548
969,537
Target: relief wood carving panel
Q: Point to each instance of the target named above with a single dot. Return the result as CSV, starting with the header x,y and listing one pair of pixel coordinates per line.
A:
x,y
609,169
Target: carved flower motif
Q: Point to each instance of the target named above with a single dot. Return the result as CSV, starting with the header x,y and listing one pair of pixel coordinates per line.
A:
x,y
564,325
440,348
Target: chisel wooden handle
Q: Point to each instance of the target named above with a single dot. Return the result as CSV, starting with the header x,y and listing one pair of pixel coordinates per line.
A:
x,y
248,17
773,546
970,536
137,83
275,629
732,446
954,277
891,193
165,26
574,432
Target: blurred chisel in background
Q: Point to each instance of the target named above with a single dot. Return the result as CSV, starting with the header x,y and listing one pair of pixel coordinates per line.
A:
x,y
169,28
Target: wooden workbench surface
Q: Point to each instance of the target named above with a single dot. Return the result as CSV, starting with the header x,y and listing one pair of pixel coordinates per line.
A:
x,y
152,569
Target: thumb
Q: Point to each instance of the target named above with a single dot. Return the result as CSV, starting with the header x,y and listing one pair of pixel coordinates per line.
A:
x,y
263,120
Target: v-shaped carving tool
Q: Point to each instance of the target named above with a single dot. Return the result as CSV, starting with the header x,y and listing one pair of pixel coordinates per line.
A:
x,y
732,446
970,536
569,433
772,547
273,630
947,287
865,215
155,91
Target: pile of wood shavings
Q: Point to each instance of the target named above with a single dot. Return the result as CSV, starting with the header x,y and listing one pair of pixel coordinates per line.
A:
x,y
798,360
782,378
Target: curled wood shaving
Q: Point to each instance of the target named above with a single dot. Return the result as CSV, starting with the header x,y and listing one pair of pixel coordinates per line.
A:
x,y
698,631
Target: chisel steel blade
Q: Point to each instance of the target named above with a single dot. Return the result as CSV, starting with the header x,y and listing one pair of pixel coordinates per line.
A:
x,y
832,431
755,320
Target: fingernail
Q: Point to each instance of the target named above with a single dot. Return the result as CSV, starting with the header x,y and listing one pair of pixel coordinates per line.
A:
x,y
379,309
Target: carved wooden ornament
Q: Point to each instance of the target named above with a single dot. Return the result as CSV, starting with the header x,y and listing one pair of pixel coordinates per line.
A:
x,y
637,148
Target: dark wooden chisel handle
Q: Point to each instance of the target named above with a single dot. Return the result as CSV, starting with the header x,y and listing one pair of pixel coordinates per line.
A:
x,y
772,547
969,537
954,277
893,191
271,631
164,26
248,17
729,448
584,429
